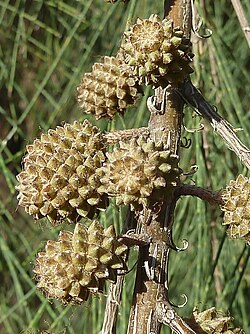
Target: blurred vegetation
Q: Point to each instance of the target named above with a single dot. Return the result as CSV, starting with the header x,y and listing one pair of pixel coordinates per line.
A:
x,y
45,46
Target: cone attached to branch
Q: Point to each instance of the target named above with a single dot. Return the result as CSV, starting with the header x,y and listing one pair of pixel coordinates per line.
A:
x,y
158,53
236,207
59,179
109,89
79,263
135,170
213,322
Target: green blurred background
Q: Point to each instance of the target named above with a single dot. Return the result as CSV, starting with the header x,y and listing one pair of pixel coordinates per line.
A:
x,y
45,47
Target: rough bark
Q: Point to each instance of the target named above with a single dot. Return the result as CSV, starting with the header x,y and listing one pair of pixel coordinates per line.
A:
x,y
150,308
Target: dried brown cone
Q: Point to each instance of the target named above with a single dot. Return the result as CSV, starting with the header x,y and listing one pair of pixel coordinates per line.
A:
x,y
134,172
236,207
79,263
158,53
109,89
59,178
213,322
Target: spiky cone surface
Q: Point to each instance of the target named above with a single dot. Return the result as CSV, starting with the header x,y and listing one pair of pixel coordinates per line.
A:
x,y
79,263
109,89
236,207
136,170
58,180
157,52
213,322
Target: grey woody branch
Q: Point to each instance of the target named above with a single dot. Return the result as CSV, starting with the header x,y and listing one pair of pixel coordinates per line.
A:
x,y
194,98
167,315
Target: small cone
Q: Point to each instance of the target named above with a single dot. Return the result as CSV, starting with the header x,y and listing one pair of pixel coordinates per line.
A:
x,y
213,322
135,169
70,273
236,207
58,180
109,89
157,52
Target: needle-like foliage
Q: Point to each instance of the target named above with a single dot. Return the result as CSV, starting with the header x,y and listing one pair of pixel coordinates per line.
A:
x,y
45,47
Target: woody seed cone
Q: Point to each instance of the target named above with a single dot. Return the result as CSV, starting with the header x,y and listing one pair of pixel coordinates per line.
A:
x,y
79,263
109,89
59,180
157,52
213,322
136,169
236,207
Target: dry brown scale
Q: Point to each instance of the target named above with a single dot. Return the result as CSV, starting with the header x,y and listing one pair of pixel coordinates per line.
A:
x,y
109,89
79,263
58,180
135,170
236,207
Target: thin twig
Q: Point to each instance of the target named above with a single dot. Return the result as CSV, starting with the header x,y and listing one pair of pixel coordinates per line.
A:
x,y
242,19
115,290
213,198
135,239
193,97
167,315
116,136
112,306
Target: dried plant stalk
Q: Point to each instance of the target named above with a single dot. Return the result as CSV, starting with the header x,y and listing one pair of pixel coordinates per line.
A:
x,y
242,19
112,306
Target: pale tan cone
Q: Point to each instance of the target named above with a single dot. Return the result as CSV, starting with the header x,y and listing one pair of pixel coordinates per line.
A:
x,y
236,207
109,89
213,322
58,180
157,52
79,263
136,169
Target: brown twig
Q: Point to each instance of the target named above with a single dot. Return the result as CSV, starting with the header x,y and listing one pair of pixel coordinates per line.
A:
x,y
213,198
181,14
151,289
116,136
242,19
135,239
151,279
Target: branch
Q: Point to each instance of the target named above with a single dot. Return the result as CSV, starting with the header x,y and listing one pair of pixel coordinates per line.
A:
x,y
115,290
112,306
135,239
115,136
181,14
213,198
152,269
167,315
156,221
193,97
